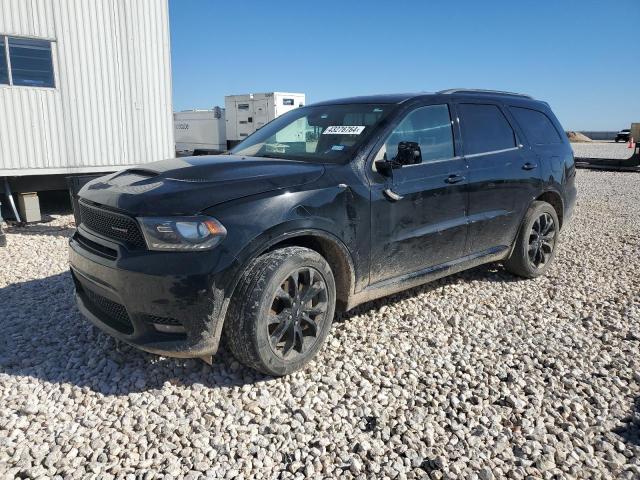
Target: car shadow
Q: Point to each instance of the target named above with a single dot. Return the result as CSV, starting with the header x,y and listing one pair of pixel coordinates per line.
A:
x,y
40,229
45,337
630,432
492,272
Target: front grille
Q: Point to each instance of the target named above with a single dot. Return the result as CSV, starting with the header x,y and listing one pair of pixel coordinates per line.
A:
x,y
111,225
116,315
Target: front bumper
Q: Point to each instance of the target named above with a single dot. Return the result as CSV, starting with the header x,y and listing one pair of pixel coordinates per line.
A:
x,y
168,303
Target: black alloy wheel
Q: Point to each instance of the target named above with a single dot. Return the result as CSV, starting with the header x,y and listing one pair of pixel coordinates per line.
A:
x,y
297,311
535,246
541,240
281,311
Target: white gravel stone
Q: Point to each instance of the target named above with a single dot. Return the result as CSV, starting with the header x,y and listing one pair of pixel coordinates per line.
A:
x,y
602,150
481,375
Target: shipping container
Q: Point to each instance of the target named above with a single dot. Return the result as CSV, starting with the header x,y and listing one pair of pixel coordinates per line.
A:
x,y
200,132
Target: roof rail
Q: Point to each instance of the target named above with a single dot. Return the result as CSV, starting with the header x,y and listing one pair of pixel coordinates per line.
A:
x,y
478,90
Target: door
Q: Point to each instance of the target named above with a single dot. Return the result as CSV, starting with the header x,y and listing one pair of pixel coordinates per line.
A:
x,y
244,118
418,213
503,176
261,115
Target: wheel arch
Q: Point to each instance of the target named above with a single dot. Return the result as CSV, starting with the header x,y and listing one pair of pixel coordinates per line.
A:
x,y
332,249
554,199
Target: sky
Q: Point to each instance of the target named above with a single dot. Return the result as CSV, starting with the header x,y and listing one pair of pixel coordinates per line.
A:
x,y
581,56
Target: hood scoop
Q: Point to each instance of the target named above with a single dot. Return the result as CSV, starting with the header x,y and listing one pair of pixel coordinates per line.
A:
x,y
188,185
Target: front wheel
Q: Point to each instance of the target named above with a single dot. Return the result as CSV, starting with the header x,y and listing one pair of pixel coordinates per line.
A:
x,y
281,311
535,246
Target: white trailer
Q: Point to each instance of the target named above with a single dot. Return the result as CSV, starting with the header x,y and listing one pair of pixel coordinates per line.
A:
x,y
200,132
85,86
247,113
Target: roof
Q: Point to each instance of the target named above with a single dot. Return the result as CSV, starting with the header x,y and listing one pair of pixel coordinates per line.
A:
x,y
382,98
398,98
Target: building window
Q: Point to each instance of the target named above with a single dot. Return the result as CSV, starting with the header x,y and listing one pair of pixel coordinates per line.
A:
x,y
26,62
4,71
287,101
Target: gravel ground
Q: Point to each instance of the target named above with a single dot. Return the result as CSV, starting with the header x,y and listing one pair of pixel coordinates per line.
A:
x,y
480,375
602,150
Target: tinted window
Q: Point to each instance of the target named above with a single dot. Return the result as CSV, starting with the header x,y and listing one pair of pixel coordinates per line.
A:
x,y
484,129
4,73
430,127
31,63
536,125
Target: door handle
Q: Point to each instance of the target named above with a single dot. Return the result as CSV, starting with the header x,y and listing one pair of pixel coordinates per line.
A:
x,y
529,166
455,178
391,195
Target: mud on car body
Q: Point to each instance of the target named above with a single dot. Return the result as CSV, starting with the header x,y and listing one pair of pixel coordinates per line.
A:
x,y
326,207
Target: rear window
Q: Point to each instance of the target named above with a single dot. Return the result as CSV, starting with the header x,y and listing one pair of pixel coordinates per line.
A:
x,y
484,129
536,125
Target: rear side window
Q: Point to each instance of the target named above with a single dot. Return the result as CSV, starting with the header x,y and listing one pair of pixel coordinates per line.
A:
x,y
536,125
485,129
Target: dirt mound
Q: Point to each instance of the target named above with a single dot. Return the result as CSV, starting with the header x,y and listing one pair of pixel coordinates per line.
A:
x,y
577,137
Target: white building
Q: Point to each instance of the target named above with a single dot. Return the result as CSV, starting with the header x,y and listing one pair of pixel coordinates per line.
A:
x,y
85,86
247,113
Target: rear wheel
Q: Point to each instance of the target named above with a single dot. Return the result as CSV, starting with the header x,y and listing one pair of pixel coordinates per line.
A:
x,y
535,246
281,311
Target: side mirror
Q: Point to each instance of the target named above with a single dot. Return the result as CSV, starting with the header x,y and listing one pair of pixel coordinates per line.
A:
x,y
409,153
385,167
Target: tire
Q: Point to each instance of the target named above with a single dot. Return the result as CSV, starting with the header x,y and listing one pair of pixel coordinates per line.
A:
x,y
535,245
269,303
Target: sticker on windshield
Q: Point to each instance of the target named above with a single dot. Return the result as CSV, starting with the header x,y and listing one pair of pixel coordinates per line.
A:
x,y
343,130
337,148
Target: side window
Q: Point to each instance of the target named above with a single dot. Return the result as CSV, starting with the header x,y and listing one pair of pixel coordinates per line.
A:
x,y
484,129
536,125
4,72
430,127
31,62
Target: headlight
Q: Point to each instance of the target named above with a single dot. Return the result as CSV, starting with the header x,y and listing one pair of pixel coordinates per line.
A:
x,y
182,233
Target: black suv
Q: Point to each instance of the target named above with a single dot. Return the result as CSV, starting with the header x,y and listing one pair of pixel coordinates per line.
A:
x,y
623,135
326,207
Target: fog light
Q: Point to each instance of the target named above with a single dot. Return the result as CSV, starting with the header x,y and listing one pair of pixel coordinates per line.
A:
x,y
169,328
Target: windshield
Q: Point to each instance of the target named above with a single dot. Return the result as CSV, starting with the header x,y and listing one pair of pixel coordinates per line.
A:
x,y
327,133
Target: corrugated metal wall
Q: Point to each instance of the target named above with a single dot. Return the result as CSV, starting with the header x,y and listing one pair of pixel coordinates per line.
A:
x,y
112,101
